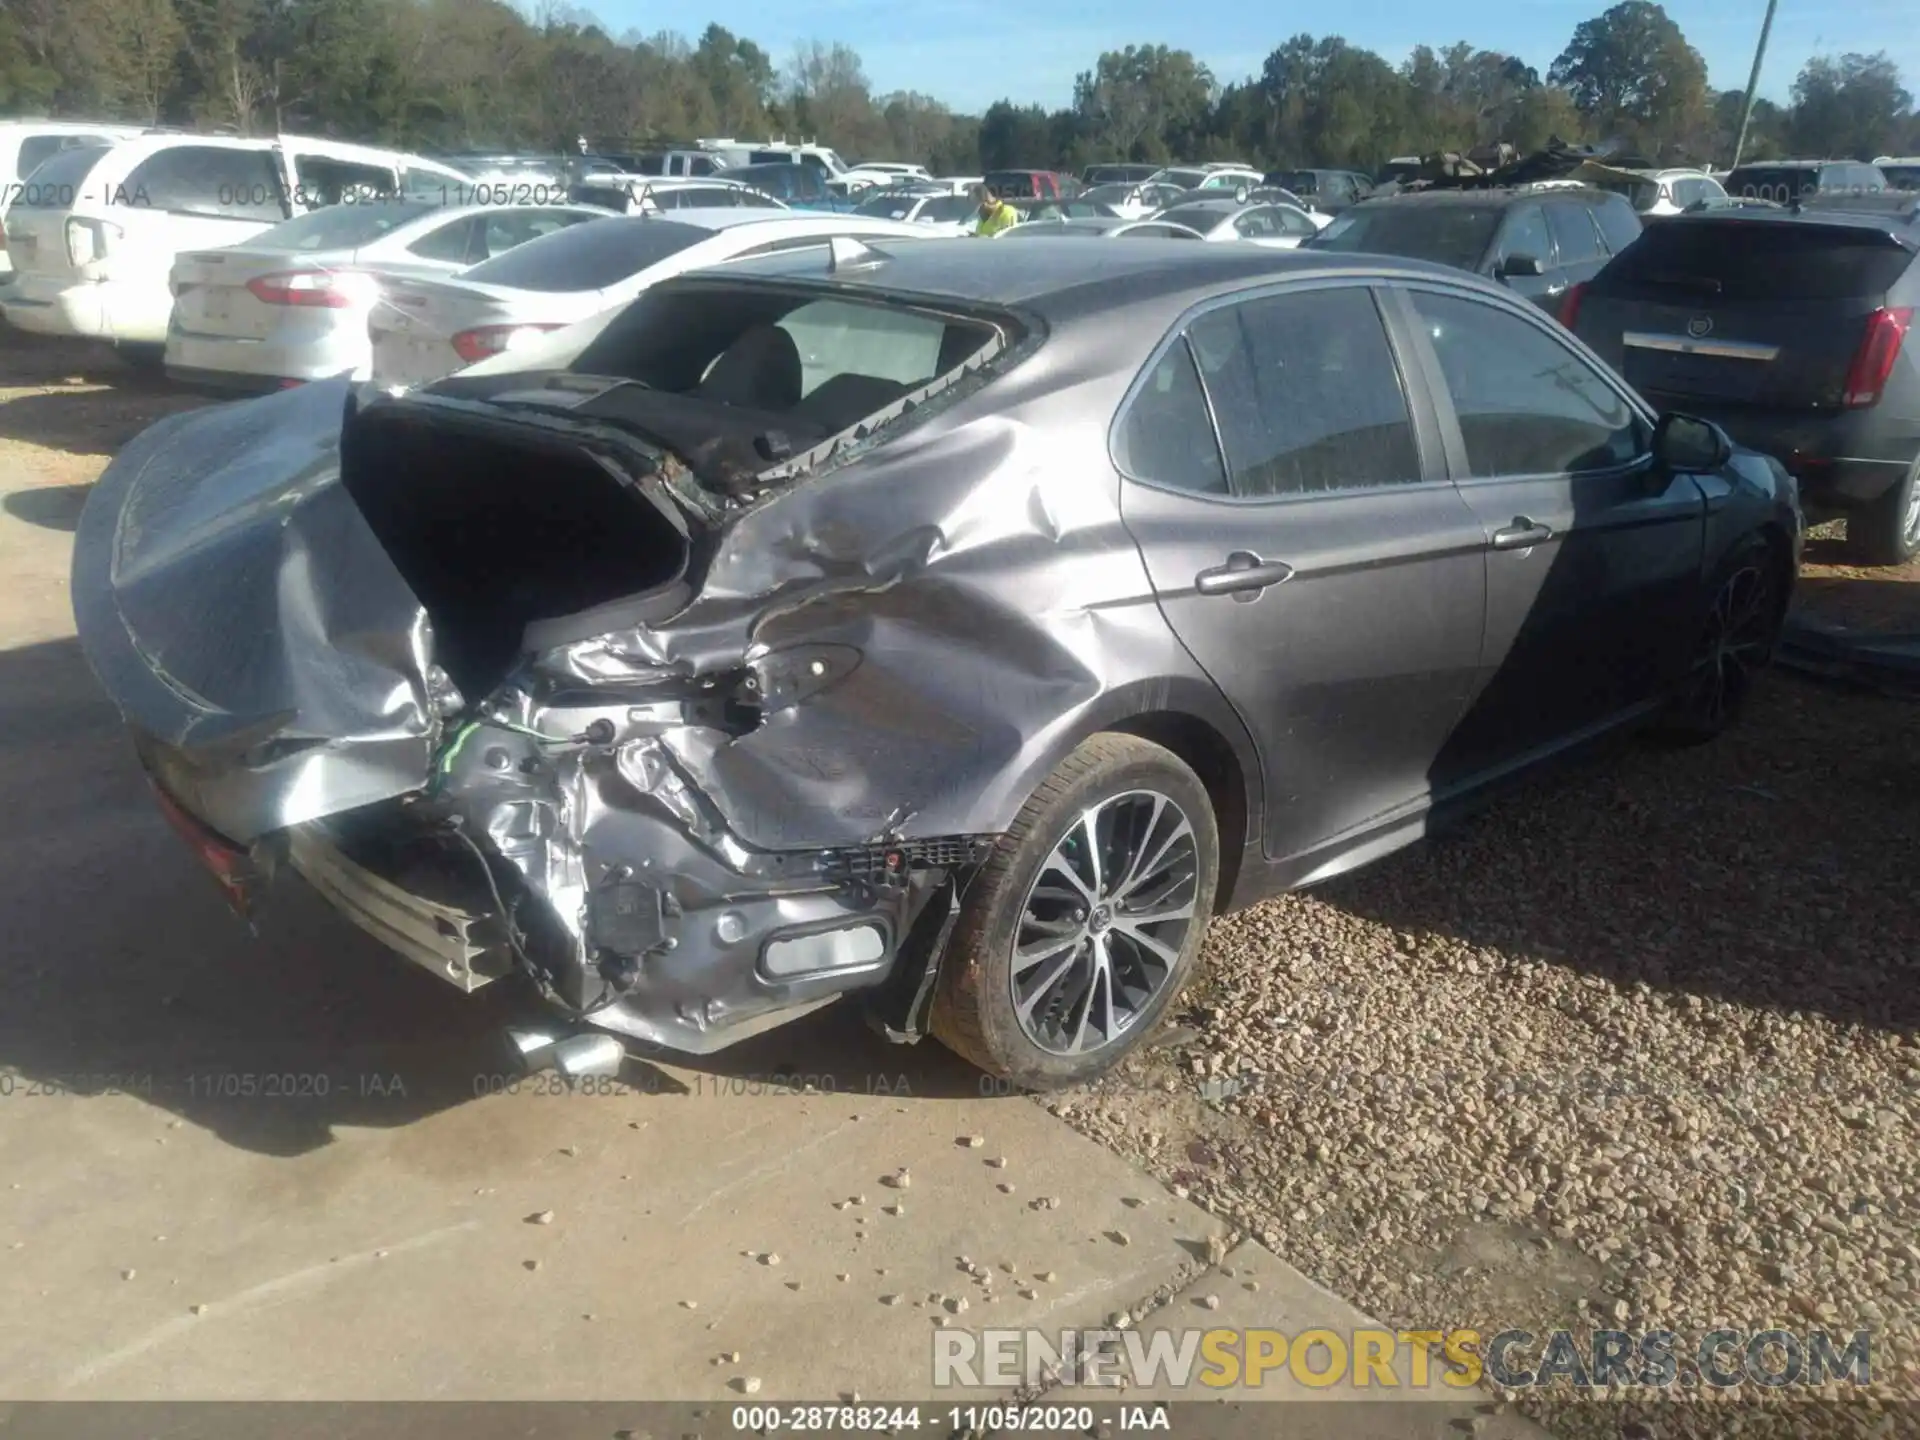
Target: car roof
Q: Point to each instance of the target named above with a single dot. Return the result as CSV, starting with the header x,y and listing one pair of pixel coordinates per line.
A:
x,y
1901,222
1486,195
1058,280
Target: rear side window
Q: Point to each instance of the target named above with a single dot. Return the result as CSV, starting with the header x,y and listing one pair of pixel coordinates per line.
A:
x,y
343,227
1779,183
451,243
1619,223
1573,233
208,180
504,229
324,181
61,181
1757,260
1166,437
1306,393
588,257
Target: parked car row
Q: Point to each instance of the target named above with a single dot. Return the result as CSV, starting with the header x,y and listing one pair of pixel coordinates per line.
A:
x,y
957,626
1786,324
94,231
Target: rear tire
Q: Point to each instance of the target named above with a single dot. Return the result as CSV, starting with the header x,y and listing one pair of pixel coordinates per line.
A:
x,y
1738,629
1887,532
1105,882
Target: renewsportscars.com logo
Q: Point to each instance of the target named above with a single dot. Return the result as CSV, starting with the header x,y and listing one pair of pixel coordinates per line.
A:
x,y
1398,1359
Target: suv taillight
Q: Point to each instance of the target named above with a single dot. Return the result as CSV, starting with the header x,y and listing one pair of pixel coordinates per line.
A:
x,y
1570,304
87,240
487,341
1873,362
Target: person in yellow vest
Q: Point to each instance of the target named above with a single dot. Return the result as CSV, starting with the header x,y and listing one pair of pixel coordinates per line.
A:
x,y
995,214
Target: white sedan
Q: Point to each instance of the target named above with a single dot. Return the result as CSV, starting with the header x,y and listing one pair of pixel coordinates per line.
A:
x,y
425,330
292,303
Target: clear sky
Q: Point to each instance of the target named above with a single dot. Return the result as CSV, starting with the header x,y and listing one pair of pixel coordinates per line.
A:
x,y
969,53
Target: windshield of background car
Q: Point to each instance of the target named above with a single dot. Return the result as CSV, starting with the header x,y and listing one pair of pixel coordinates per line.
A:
x,y
1301,182
61,181
590,256
1902,177
1456,235
341,227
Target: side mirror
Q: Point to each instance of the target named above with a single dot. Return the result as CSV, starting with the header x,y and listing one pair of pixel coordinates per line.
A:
x,y
1517,265
1688,445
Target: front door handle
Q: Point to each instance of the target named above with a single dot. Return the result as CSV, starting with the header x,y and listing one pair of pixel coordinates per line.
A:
x,y
1243,576
1521,534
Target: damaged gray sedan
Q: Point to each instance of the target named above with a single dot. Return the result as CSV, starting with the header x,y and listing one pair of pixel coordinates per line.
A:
x,y
961,626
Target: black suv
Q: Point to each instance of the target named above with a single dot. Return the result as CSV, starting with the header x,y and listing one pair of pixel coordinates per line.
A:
x,y
1785,181
1539,241
1789,329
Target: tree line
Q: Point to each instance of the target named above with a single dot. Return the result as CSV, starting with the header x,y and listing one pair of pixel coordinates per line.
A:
x,y
481,75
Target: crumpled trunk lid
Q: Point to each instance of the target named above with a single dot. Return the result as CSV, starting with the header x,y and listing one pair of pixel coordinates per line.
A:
x,y
230,597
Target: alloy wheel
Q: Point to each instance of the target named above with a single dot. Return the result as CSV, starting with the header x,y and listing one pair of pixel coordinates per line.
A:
x,y
1104,922
1737,643
1910,513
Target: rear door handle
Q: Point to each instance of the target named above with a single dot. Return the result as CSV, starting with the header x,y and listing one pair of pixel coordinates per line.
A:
x,y
1243,576
1521,534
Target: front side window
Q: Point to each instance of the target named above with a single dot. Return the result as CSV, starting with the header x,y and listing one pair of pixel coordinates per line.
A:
x,y
1573,234
208,180
1306,393
1527,404
1166,437
1527,234
1619,223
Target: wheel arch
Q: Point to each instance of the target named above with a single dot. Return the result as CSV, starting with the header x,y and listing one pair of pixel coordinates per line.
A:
x,y
1190,718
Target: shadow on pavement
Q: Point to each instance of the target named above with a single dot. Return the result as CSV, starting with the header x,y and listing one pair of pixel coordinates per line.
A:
x,y
124,969
52,507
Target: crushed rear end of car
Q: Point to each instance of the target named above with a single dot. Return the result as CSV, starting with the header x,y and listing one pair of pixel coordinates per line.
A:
x,y
571,676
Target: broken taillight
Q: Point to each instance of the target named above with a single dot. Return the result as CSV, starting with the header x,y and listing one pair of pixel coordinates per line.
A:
x,y
1570,304
487,341
229,865
1873,362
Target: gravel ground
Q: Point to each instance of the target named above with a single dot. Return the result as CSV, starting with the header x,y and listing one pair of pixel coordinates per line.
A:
x,y
1636,1046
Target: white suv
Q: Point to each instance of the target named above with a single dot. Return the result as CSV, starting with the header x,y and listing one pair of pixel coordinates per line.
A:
x,y
94,238
27,144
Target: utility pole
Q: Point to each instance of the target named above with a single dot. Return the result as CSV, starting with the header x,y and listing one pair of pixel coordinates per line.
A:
x,y
1753,83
